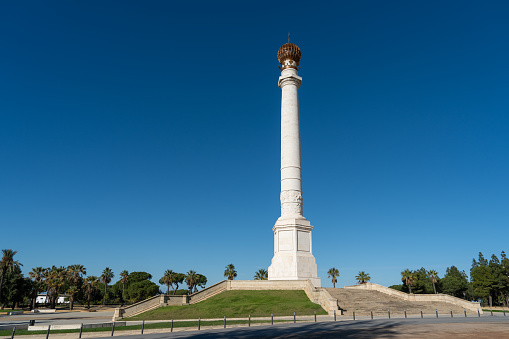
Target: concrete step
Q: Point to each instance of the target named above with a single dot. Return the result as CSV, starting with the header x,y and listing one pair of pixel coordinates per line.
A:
x,y
363,301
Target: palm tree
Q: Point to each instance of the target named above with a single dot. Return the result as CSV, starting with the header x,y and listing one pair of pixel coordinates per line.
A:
x,y
333,272
433,275
168,279
230,272
37,275
191,280
7,264
90,284
363,277
409,278
72,290
261,274
55,279
106,279
124,276
76,273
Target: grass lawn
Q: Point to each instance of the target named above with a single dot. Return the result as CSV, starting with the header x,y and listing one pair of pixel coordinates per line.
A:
x,y
238,304
9,310
488,310
138,327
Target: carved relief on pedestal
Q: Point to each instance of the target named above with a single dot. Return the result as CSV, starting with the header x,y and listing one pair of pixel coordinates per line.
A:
x,y
291,203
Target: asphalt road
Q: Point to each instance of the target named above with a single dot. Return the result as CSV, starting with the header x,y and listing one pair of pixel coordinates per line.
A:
x,y
61,318
378,328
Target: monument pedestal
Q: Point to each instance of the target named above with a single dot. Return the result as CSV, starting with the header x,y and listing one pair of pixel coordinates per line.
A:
x,y
293,258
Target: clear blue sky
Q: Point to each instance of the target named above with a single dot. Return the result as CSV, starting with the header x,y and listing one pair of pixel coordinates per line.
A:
x,y
145,135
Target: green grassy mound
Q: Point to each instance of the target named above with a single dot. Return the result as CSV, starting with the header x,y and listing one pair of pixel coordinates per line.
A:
x,y
238,304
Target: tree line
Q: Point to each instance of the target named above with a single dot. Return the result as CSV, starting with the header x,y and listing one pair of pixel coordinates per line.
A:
x,y
72,282
488,283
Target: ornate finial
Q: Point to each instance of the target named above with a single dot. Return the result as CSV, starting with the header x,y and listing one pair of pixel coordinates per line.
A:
x,y
289,55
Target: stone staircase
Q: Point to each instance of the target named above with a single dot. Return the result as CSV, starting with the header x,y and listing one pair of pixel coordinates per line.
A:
x,y
364,300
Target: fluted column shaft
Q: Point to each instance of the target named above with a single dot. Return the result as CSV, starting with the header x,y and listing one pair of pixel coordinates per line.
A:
x,y
291,171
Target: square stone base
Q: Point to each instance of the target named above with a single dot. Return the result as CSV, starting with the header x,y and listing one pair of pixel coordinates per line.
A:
x,y
293,258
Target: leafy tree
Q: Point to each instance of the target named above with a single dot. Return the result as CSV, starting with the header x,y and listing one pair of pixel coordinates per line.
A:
x,y
363,277
142,290
106,279
454,282
90,285
334,273
230,272
422,284
500,281
201,281
139,287
261,274
139,276
433,275
482,278
7,264
504,276
408,277
15,287
397,287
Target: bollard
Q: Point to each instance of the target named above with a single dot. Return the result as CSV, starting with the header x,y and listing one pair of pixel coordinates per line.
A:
x,y
334,315
294,317
465,312
315,316
405,313
113,329
13,330
142,326
451,313
354,314
371,314
272,318
389,313
81,330
224,321
249,321
491,311
503,310
478,313
199,321
47,333
421,313
171,329
436,311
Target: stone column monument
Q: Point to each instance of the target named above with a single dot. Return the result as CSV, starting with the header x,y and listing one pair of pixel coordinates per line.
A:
x,y
293,258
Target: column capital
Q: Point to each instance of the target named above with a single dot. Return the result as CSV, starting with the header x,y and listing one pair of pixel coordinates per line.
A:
x,y
289,79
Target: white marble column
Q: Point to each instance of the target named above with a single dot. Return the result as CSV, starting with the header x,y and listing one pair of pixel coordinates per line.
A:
x,y
291,171
293,257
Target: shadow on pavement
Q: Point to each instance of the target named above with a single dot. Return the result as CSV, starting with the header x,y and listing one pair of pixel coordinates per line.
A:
x,y
308,331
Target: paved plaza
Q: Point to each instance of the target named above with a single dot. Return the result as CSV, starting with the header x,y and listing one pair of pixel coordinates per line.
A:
x,y
486,326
